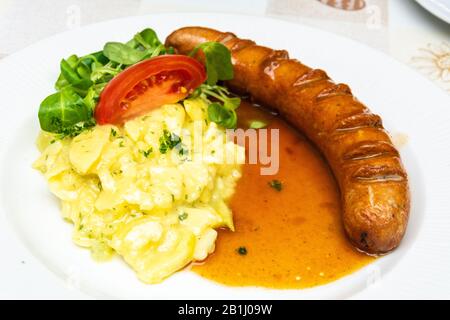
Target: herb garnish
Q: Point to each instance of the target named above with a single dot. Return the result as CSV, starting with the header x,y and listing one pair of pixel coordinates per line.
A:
x,y
147,152
183,216
168,141
276,184
257,124
242,251
183,150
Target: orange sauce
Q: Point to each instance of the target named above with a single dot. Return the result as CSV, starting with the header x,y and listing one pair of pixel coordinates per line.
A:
x,y
293,238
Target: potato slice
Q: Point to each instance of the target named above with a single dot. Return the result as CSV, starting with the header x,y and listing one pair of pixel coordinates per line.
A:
x,y
175,252
153,249
196,109
86,148
199,219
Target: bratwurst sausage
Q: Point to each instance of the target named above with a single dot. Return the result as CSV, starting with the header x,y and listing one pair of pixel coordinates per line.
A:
x,y
365,163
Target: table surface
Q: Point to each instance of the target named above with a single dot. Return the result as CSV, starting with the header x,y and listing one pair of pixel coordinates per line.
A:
x,y
401,28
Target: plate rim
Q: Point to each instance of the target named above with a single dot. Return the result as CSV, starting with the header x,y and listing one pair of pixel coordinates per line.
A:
x,y
433,6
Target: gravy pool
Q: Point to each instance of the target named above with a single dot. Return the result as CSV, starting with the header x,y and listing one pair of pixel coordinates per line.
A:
x,y
285,239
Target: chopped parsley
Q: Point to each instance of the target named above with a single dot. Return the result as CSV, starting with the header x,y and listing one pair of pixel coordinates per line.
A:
x,y
168,141
117,172
113,132
183,216
76,129
276,184
183,151
242,251
147,152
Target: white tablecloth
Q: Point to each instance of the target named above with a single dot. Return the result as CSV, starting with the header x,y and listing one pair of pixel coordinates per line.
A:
x,y
399,27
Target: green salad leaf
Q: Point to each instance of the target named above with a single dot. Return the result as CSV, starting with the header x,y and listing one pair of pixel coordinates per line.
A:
x,y
147,38
221,104
217,61
222,116
70,110
67,70
121,53
144,44
257,124
64,113
221,108
92,95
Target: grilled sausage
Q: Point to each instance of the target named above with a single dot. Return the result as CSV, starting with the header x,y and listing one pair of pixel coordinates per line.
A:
x,y
367,166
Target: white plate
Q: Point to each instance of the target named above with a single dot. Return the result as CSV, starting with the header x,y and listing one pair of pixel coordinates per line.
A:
x,y
32,231
440,8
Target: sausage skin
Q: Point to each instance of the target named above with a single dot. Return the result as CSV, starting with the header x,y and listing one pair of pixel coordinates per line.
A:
x,y
367,166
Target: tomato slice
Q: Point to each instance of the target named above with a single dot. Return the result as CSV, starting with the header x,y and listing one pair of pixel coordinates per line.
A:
x,y
147,85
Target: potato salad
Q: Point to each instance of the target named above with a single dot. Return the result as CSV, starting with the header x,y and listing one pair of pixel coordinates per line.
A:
x,y
134,143
142,190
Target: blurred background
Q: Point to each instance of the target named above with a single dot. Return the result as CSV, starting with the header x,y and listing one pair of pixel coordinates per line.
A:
x,y
401,28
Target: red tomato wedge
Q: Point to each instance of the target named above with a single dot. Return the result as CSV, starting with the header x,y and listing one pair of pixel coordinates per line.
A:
x,y
147,85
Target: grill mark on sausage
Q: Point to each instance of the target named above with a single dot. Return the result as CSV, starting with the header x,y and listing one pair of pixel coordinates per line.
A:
x,y
333,91
312,76
240,45
225,37
380,173
370,149
351,122
358,121
382,178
